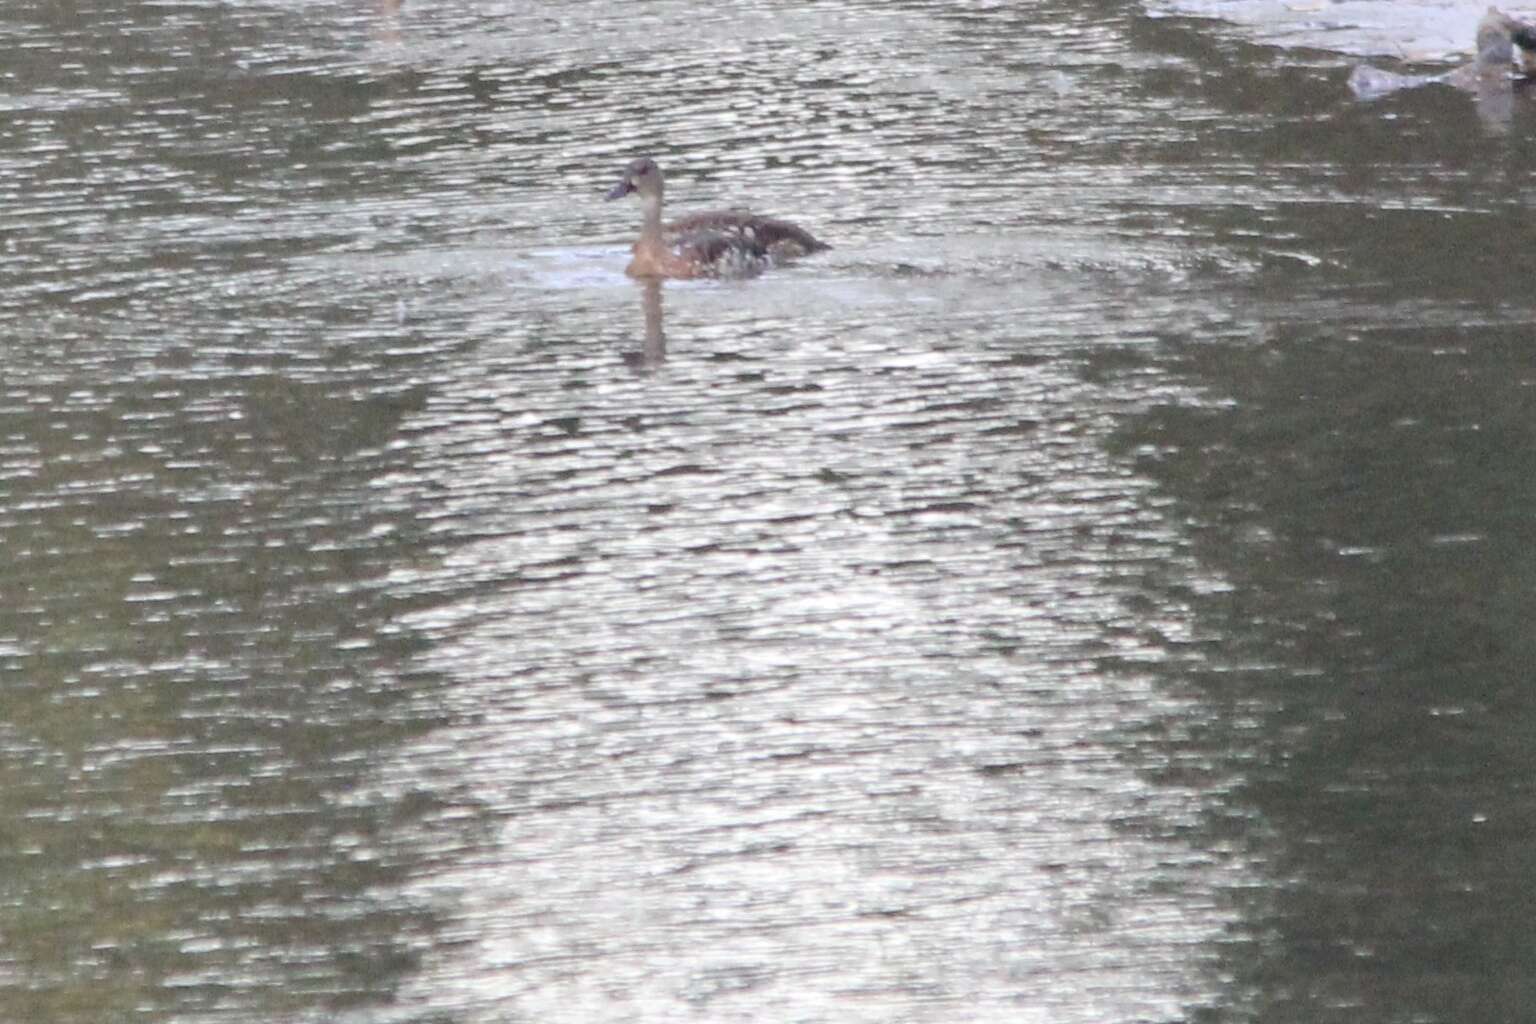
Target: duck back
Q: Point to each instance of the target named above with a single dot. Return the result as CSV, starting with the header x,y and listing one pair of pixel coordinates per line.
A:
x,y
775,238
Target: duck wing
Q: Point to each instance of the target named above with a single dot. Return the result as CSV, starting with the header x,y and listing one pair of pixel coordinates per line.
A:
x,y
721,253
767,234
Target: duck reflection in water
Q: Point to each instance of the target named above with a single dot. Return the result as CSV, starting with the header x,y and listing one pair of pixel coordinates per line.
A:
x,y
721,243
1505,44
654,351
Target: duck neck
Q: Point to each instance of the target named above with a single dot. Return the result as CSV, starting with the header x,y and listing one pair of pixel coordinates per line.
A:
x,y
650,220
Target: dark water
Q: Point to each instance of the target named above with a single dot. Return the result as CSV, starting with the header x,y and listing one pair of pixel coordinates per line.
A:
x,y
1097,590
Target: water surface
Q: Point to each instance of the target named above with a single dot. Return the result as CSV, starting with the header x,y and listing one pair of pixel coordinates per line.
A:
x,y
1091,592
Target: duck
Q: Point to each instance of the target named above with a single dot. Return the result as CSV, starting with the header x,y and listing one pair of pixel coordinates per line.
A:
x,y
1503,43
721,243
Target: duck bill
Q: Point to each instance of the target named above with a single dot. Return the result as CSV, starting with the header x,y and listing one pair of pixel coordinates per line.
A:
x,y
622,189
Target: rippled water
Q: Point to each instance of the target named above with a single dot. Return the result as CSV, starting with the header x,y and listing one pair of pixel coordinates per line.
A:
x,y
1090,592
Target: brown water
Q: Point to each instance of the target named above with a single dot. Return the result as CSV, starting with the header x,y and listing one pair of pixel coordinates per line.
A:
x,y
1096,591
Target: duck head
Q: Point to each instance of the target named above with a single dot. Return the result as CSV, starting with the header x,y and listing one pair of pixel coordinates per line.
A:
x,y
643,177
